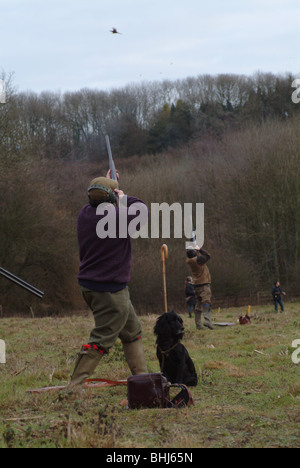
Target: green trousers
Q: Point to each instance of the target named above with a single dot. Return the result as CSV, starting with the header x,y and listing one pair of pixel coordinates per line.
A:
x,y
114,317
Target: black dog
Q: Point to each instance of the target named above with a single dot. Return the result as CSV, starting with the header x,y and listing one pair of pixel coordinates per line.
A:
x,y
175,362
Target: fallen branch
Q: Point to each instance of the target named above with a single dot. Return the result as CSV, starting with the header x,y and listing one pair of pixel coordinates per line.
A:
x,y
15,374
25,418
260,352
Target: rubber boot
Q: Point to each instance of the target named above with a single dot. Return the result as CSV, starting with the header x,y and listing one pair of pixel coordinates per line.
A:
x,y
87,361
207,320
135,357
198,323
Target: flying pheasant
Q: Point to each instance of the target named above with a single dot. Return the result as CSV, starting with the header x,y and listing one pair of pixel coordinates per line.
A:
x,y
115,31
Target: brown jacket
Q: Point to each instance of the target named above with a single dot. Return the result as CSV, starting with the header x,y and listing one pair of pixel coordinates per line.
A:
x,y
200,271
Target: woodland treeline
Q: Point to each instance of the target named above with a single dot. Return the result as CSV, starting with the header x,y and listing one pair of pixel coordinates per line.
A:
x,y
230,142
146,118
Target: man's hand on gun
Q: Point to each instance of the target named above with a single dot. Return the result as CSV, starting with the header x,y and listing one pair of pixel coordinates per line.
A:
x,y
108,175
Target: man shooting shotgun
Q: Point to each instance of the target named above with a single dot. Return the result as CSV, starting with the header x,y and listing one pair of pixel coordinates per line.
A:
x,y
104,274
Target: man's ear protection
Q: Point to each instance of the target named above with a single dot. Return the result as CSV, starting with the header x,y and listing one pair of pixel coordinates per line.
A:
x,y
110,197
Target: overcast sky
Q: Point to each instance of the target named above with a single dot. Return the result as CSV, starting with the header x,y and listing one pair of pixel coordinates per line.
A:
x,y
66,45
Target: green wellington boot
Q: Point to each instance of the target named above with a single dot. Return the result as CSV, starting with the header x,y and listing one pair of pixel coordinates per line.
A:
x,y
207,319
198,315
87,361
135,357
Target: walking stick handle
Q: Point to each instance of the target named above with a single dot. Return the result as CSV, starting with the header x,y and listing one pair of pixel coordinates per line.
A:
x,y
164,252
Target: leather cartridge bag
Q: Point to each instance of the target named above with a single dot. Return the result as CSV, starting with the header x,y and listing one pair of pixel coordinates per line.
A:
x,y
148,391
153,391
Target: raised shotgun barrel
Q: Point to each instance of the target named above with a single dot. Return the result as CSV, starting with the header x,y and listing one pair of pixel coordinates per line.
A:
x,y
112,168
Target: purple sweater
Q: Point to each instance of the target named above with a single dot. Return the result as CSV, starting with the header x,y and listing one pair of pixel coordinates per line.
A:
x,y
105,264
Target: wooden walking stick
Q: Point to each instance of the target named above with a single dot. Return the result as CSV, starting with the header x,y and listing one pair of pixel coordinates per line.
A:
x,y
164,256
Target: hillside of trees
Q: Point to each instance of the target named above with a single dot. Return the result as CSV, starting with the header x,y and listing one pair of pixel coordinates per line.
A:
x,y
231,142
146,118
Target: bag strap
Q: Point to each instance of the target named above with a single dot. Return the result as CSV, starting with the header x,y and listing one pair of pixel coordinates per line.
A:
x,y
184,397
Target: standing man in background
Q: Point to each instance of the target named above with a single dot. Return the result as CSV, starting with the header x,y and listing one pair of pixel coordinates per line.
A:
x,y
197,259
190,295
277,293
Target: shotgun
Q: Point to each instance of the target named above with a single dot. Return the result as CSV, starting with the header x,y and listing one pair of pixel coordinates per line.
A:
x,y
21,283
192,243
112,167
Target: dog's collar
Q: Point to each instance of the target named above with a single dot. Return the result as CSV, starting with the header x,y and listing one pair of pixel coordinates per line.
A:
x,y
167,351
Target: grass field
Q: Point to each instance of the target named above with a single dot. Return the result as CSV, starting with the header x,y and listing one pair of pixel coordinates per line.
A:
x,y
248,393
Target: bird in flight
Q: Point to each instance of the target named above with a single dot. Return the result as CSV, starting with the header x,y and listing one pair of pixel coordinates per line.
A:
x,y
115,31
